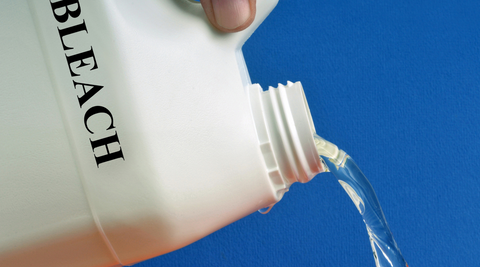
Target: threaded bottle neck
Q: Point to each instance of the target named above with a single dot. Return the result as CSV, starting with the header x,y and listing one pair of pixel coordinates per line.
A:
x,y
285,133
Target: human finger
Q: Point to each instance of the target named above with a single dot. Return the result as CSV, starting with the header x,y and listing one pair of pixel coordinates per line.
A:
x,y
230,15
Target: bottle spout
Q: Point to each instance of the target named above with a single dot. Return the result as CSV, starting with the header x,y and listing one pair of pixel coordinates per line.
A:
x,y
329,150
285,133
325,148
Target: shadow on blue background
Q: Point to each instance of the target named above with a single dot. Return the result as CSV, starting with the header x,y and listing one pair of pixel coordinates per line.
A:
x,y
396,84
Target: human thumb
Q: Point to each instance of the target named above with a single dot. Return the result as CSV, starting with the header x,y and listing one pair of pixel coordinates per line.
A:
x,y
230,15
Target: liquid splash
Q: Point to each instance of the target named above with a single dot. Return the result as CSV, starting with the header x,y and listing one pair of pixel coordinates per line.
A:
x,y
359,189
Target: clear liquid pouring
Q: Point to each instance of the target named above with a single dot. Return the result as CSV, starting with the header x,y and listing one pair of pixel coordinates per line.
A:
x,y
359,189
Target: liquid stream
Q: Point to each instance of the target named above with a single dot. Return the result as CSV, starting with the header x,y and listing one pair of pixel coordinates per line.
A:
x,y
359,189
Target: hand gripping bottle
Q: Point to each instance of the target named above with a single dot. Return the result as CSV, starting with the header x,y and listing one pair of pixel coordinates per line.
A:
x,y
131,129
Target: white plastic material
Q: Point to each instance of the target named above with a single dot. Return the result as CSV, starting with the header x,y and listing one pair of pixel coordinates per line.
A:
x,y
325,148
285,133
130,129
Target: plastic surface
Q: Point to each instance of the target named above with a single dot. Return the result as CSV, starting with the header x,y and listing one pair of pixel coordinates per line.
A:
x,y
285,134
142,204
130,132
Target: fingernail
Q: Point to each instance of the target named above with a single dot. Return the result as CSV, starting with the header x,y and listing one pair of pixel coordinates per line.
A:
x,y
231,14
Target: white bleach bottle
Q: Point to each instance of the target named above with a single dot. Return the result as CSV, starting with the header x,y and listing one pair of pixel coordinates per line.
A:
x,y
130,129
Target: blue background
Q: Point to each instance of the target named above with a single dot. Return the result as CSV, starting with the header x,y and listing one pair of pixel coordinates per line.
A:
x,y
396,84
